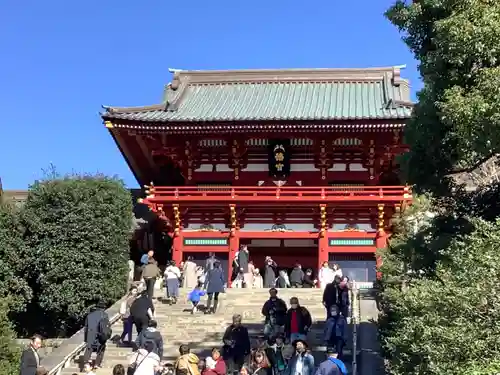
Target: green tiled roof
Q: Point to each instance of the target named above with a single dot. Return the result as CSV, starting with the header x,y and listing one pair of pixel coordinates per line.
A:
x,y
323,94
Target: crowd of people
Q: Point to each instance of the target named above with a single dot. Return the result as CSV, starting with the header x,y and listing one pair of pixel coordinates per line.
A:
x,y
283,325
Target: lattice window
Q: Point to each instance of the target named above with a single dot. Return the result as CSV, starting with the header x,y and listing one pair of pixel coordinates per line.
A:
x,y
214,187
347,142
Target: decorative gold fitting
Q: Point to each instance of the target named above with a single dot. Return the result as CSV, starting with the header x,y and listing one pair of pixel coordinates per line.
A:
x,y
109,124
380,217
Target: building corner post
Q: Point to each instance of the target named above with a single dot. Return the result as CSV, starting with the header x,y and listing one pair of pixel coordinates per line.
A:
x,y
234,241
381,239
323,237
177,236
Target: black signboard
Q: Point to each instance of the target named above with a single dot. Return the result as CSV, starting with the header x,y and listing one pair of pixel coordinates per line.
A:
x,y
279,158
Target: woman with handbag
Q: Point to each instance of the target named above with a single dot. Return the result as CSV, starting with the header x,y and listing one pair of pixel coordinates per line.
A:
x,y
145,361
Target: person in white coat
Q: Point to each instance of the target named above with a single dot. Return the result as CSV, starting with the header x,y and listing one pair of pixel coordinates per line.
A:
x,y
145,360
325,275
172,276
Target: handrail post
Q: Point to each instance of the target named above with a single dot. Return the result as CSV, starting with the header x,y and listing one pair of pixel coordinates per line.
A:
x,y
354,323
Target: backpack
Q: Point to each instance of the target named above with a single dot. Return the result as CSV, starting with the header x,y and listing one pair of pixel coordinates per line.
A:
x,y
104,330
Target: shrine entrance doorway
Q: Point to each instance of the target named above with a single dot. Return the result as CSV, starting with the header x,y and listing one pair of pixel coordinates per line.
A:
x,y
285,252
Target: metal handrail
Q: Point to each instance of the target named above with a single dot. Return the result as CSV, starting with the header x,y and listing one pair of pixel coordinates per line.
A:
x,y
354,323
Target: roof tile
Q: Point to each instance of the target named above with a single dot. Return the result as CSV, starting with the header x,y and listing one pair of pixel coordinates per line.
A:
x,y
275,99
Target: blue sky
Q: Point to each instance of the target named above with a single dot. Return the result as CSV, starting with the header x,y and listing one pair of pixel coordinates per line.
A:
x,y
61,60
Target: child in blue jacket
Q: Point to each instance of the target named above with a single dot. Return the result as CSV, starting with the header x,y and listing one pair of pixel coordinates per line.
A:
x,y
195,296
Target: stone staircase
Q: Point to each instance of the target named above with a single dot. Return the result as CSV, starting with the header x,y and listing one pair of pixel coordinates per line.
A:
x,y
203,332
371,362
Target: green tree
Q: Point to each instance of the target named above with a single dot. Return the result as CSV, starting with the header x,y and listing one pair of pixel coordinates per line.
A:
x,y
456,123
78,232
448,324
12,265
10,352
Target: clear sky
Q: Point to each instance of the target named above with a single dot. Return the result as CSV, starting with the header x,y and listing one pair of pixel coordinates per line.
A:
x,y
61,60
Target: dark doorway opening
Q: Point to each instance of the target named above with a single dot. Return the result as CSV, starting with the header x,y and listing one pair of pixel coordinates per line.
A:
x,y
286,253
200,258
358,266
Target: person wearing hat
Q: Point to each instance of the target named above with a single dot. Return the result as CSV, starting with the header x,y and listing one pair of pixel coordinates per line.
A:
x,y
332,365
302,362
297,322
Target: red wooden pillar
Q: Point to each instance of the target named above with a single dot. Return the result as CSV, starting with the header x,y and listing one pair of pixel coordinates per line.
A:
x,y
177,247
234,245
323,237
380,243
322,250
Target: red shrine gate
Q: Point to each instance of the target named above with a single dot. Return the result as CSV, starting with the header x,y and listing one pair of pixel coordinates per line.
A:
x,y
294,156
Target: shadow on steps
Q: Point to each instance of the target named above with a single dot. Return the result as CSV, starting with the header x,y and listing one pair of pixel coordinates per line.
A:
x,y
370,361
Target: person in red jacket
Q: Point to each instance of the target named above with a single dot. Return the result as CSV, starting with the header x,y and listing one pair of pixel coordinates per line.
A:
x,y
298,321
214,365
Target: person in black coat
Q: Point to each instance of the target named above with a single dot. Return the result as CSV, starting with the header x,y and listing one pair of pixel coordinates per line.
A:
x,y
330,295
236,345
274,352
215,283
343,296
308,281
274,311
142,311
269,273
244,261
297,276
95,321
30,360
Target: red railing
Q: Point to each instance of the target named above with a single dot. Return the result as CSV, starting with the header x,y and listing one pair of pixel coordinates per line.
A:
x,y
285,194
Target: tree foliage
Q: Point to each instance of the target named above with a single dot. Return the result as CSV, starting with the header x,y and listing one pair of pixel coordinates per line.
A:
x,y
77,230
10,352
456,122
439,295
447,323
13,286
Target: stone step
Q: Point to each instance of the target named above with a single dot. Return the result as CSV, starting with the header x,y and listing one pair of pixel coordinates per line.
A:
x,y
110,362
203,332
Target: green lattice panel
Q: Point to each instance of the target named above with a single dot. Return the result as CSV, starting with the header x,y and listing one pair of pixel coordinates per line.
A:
x,y
352,242
205,241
